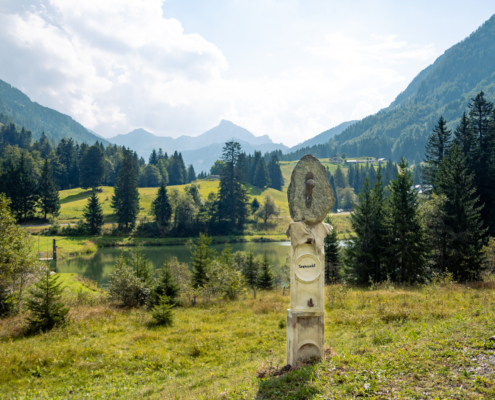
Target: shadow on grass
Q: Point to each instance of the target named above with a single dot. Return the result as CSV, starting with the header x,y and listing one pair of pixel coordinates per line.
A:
x,y
76,197
296,384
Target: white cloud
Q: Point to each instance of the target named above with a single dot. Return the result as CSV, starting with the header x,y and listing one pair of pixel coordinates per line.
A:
x,y
116,65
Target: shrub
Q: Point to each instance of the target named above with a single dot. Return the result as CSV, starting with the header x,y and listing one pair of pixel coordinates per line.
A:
x,y
163,313
45,304
125,287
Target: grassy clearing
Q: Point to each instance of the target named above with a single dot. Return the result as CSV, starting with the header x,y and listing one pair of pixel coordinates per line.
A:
x,y
403,343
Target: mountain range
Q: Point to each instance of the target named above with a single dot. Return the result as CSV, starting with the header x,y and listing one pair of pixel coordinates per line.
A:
x,y
443,89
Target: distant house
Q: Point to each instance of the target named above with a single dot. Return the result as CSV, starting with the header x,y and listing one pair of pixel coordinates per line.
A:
x,y
336,160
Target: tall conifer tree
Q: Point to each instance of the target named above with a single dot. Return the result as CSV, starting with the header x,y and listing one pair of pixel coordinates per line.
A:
x,y
406,248
462,218
276,178
201,261
125,200
161,207
233,199
261,175
93,214
48,194
437,149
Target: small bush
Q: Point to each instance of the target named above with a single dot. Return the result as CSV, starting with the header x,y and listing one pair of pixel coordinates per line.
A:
x,y
125,287
163,313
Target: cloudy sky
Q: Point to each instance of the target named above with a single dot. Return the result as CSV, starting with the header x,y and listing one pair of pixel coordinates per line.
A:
x,y
287,68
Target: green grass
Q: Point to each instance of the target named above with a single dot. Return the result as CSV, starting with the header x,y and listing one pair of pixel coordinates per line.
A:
x,y
403,343
73,201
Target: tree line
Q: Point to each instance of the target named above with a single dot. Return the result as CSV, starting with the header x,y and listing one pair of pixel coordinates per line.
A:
x,y
407,237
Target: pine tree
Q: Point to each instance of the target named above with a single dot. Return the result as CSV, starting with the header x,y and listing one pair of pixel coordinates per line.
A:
x,y
201,260
253,165
166,285
233,200
92,168
332,255
93,214
163,312
266,279
437,149
483,156
275,173
405,255
364,254
125,200
191,174
339,178
462,218
251,271
161,207
261,176
48,194
464,137
332,184
255,205
153,160
26,192
45,304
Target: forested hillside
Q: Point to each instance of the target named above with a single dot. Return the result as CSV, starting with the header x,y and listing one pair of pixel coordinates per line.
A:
x,y
38,119
443,89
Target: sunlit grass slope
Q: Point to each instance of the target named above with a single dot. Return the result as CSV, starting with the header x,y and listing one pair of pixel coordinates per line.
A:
x,y
73,201
402,343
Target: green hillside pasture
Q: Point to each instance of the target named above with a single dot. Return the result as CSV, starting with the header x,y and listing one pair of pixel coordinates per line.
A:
x,y
73,201
404,343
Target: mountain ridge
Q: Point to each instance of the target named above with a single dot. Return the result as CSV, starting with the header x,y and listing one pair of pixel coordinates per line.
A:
x,y
442,89
37,118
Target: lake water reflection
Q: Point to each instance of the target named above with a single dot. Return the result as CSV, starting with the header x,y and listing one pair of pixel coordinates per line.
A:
x,y
99,266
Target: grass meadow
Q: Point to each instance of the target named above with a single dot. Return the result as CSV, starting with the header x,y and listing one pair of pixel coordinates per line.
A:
x,y
384,342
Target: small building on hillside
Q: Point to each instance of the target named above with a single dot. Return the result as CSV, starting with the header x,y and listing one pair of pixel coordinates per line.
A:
x,y
335,160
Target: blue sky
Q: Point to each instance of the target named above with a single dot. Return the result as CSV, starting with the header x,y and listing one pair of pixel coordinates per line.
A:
x,y
289,69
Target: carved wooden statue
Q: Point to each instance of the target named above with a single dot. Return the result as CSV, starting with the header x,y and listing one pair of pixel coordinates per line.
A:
x,y
310,199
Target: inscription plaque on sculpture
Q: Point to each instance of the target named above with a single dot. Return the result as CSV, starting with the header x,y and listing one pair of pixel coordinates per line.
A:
x,y
310,199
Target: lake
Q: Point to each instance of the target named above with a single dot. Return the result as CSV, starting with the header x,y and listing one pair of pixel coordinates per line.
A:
x,y
99,265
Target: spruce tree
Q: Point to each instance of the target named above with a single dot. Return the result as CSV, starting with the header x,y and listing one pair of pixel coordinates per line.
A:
x,y
48,194
462,218
166,285
92,168
253,165
266,280
261,176
275,173
332,184
45,304
405,255
483,156
125,200
93,214
26,191
251,271
201,260
255,205
191,174
364,254
332,255
153,160
161,207
233,200
464,137
339,178
437,149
